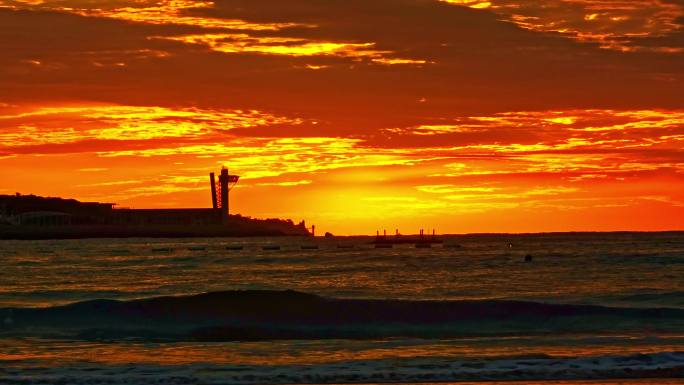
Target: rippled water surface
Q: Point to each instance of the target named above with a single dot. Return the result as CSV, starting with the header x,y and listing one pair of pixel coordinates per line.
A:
x,y
617,270
623,269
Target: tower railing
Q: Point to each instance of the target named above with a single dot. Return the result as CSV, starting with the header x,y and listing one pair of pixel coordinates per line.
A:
x,y
220,191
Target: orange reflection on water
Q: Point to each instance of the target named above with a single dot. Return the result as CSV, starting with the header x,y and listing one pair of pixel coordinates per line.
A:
x,y
301,352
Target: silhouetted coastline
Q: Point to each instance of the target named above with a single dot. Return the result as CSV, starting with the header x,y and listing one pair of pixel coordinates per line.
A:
x,y
33,217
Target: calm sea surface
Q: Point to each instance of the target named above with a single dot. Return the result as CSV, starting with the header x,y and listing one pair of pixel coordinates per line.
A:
x,y
627,271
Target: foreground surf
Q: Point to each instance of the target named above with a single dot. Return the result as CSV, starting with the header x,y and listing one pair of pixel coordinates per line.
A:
x,y
272,315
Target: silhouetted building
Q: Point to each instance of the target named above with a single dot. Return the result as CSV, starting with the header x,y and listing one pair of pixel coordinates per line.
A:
x,y
220,191
189,217
39,211
21,216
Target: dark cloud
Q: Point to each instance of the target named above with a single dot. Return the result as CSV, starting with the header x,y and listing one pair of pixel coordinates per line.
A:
x,y
477,64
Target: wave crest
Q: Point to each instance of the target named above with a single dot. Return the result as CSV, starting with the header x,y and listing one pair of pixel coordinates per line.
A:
x,y
266,315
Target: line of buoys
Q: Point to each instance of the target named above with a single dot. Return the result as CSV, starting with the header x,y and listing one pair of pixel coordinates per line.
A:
x,y
162,250
309,247
197,248
234,248
271,247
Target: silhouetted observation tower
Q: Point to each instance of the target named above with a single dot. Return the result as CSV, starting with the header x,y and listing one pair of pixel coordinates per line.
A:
x,y
220,191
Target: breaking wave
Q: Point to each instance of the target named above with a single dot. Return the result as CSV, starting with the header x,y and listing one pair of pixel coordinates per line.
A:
x,y
273,315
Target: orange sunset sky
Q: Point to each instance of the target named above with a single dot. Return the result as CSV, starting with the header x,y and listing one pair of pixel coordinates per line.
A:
x,y
355,115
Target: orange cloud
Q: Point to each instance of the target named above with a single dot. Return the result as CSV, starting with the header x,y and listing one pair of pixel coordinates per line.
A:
x,y
613,24
571,150
237,43
226,40
57,125
146,11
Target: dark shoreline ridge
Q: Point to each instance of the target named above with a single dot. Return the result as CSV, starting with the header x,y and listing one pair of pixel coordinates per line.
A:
x,y
236,227
271,315
34,217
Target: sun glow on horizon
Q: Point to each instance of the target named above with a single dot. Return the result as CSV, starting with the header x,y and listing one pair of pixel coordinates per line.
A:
x,y
333,180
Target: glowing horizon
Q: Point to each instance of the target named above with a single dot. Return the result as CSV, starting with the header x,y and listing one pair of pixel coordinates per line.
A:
x,y
462,116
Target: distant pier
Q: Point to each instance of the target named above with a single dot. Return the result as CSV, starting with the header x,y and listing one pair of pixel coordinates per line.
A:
x,y
398,239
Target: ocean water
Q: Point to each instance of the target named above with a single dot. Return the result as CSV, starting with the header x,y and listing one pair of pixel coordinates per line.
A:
x,y
599,308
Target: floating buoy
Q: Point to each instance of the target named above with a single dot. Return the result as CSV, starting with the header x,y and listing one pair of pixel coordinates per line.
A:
x,y
528,258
